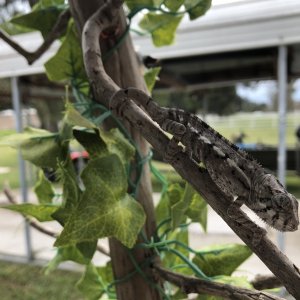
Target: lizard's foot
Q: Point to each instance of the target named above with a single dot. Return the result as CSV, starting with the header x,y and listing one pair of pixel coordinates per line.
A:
x,y
172,149
173,127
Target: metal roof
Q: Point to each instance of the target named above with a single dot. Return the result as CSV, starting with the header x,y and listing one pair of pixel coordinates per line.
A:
x,y
233,26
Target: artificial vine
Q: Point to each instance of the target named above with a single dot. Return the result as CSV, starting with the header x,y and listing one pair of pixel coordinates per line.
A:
x,y
100,202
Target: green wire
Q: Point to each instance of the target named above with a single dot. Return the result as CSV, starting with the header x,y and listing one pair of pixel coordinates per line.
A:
x,y
160,177
129,275
161,224
168,230
169,242
139,270
192,266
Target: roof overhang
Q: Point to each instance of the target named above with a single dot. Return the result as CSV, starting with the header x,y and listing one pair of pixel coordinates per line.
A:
x,y
225,28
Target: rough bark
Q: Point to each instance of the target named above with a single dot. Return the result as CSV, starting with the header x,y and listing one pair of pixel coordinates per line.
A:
x,y
271,256
123,67
196,285
126,109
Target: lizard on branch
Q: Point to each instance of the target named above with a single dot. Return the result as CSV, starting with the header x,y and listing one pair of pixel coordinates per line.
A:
x,y
233,170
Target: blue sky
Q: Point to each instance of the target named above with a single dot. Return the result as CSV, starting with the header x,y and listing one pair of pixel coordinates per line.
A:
x,y
264,91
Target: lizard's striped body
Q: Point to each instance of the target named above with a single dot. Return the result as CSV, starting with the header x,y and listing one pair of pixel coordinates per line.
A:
x,y
232,169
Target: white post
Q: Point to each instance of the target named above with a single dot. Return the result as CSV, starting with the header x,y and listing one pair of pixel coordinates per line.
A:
x,y
282,97
22,168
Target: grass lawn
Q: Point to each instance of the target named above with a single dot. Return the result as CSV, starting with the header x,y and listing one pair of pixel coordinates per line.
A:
x,y
258,127
26,282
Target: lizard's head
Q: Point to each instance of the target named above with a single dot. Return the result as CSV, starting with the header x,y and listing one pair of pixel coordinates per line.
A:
x,y
275,205
285,216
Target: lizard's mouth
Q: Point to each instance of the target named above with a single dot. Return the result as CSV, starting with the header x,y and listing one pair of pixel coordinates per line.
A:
x,y
291,227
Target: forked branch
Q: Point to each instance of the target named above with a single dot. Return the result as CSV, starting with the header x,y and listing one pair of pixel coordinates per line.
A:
x,y
104,87
57,30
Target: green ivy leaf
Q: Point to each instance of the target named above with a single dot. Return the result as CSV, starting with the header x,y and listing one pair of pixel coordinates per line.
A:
x,y
172,261
139,3
15,140
44,152
118,144
13,29
175,193
179,294
87,249
197,211
161,26
92,142
221,259
240,281
39,19
68,177
106,273
68,60
150,77
74,118
40,147
170,197
179,209
197,8
41,212
91,284
173,5
162,210
70,253
191,205
100,142
71,191
43,189
48,3
105,208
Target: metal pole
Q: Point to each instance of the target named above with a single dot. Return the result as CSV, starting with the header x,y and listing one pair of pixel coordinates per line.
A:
x,y
22,168
282,97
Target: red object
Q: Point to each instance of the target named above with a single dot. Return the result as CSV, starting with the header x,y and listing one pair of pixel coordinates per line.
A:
x,y
79,154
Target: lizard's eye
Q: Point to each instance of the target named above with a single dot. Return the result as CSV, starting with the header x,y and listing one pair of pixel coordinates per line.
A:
x,y
282,201
286,202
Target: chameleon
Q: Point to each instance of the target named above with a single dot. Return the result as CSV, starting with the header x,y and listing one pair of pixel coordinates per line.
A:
x,y
233,170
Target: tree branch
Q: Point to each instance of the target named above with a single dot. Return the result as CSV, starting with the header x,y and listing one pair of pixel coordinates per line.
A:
x,y
263,282
189,284
104,87
57,30
102,19
36,225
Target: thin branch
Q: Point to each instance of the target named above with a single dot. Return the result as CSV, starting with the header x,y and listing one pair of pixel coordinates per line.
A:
x,y
189,284
263,282
104,87
57,30
33,223
102,19
7,192
272,257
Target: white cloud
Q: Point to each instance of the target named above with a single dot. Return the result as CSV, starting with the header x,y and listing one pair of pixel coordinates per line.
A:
x,y
261,92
